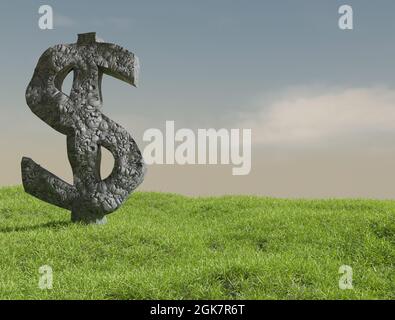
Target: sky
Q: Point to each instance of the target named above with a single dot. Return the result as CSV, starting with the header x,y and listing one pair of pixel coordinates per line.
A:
x,y
320,101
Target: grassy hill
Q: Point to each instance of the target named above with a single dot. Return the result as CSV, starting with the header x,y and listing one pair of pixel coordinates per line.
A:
x,y
174,247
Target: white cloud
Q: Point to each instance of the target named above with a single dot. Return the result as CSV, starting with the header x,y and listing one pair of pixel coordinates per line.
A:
x,y
337,116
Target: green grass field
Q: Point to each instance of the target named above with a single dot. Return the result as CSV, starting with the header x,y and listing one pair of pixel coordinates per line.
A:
x,y
167,246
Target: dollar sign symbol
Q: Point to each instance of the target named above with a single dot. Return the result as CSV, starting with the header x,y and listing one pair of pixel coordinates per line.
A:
x,y
78,116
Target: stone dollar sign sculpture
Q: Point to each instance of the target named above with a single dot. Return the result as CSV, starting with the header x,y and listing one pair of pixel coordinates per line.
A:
x,y
78,116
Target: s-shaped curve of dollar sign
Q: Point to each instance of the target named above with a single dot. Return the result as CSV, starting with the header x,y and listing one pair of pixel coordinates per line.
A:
x,y
78,116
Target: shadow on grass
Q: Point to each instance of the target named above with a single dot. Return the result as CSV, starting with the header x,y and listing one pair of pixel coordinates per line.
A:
x,y
49,225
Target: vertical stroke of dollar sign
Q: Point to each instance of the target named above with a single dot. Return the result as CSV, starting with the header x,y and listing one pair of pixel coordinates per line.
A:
x,y
78,116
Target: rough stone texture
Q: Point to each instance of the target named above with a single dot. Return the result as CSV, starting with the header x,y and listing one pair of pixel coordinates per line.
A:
x,y
78,116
